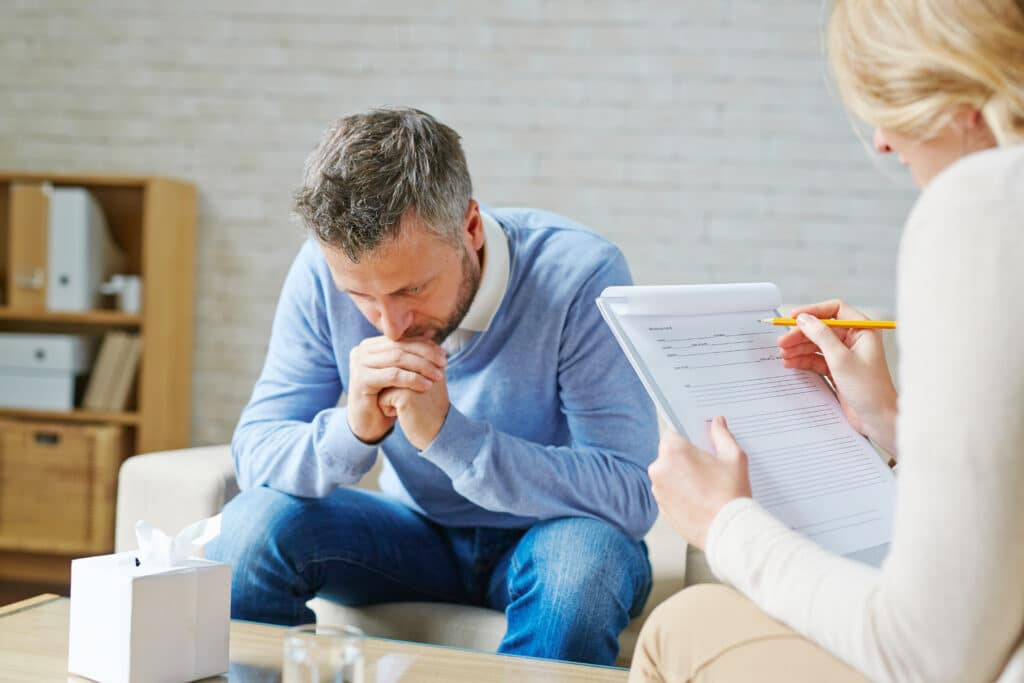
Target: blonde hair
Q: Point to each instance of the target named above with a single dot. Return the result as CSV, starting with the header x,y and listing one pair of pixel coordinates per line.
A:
x,y
907,65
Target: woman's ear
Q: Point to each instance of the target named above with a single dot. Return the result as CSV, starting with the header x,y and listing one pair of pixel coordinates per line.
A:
x,y
974,119
977,130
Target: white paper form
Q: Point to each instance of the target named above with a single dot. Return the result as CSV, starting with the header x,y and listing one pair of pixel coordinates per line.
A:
x,y
701,352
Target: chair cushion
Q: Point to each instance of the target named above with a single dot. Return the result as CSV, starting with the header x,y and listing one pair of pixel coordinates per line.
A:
x,y
438,623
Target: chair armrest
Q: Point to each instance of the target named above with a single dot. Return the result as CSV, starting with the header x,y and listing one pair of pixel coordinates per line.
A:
x,y
172,489
667,553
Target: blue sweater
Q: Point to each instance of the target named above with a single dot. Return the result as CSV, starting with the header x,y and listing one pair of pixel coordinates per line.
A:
x,y
547,418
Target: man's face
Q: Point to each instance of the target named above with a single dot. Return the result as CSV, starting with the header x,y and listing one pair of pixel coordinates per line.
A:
x,y
415,285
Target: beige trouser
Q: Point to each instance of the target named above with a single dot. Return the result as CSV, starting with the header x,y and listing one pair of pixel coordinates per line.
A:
x,y
712,633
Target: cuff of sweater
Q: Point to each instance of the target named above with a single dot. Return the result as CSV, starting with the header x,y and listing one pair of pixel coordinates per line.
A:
x,y
338,449
457,444
728,535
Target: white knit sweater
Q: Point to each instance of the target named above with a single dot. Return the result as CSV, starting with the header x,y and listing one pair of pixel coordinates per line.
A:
x,y
948,604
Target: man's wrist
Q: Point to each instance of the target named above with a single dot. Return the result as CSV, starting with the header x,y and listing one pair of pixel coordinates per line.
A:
x,y
338,448
370,441
375,442
423,438
459,442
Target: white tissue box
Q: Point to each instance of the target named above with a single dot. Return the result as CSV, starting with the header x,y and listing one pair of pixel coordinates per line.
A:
x,y
148,624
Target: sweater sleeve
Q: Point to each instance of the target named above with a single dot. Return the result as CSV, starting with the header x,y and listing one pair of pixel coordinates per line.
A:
x,y
292,436
603,473
948,603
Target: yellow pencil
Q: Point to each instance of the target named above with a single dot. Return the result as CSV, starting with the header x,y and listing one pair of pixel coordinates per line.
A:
x,y
852,324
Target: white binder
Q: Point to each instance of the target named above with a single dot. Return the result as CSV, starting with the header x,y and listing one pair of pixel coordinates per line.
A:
x,y
81,253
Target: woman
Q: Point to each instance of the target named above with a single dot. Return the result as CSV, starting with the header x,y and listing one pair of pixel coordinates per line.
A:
x,y
943,82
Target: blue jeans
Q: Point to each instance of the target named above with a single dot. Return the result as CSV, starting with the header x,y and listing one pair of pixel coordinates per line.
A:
x,y
568,586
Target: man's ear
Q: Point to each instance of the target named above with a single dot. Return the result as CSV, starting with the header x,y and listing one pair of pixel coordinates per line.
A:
x,y
474,227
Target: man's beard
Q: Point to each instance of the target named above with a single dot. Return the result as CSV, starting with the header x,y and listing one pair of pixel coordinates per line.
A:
x,y
467,291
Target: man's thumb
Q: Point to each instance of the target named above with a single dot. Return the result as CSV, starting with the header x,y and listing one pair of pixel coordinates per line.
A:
x,y
820,333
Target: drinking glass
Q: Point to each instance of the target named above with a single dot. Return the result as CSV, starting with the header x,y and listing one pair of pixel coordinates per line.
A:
x,y
323,654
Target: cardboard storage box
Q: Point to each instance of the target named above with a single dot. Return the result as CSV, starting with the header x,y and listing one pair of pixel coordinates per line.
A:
x,y
43,371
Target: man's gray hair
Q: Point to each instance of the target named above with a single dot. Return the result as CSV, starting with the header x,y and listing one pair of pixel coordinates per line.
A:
x,y
372,167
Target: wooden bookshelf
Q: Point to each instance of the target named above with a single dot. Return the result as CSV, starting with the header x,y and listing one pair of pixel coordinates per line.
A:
x,y
152,219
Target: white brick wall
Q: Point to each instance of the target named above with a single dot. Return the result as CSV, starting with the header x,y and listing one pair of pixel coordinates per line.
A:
x,y
698,135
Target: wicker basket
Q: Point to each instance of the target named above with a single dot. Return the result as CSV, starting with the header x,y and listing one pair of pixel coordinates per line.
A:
x,y
58,484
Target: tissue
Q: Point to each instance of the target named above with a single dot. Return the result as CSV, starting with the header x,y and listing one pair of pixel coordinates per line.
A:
x,y
158,550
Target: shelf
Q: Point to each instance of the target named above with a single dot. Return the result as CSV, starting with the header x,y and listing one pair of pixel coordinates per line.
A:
x,y
124,418
8,176
88,318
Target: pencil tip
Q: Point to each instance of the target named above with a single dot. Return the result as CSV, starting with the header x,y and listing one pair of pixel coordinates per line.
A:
x,y
766,321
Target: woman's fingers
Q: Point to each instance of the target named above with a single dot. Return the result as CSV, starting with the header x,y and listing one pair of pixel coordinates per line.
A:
x,y
833,308
674,451
792,338
800,349
671,441
814,363
796,336
822,309
848,312
832,347
724,442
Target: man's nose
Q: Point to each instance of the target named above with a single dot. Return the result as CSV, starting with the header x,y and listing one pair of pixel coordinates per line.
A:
x,y
881,145
395,319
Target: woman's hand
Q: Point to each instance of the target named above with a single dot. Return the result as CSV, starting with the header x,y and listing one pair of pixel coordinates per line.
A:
x,y
692,485
854,362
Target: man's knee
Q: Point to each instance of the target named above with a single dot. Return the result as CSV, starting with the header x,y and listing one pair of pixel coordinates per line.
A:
x,y
582,558
573,584
253,521
262,524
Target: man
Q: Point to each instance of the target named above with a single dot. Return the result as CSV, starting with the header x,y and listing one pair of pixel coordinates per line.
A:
x,y
516,435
